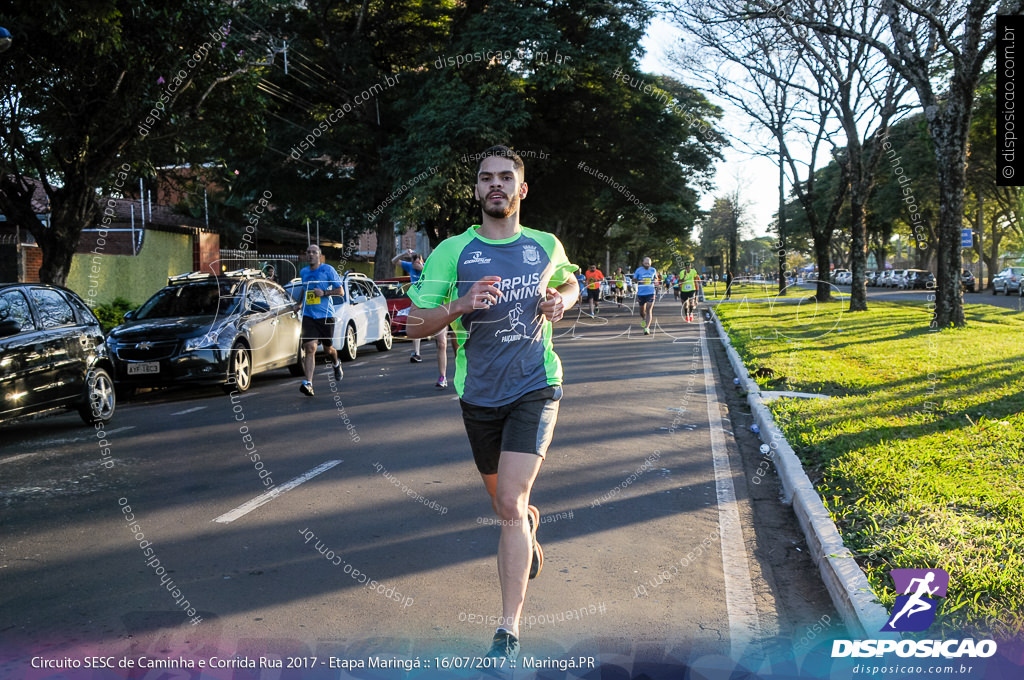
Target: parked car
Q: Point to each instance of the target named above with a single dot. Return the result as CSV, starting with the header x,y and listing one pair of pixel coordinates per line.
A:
x,y
869,278
360,315
208,329
919,279
967,281
1007,280
902,279
396,292
839,276
52,356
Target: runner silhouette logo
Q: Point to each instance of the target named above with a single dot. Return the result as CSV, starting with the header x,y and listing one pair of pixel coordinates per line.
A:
x,y
915,609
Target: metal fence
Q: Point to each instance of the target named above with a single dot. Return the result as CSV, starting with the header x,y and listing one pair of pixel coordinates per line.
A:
x,y
286,267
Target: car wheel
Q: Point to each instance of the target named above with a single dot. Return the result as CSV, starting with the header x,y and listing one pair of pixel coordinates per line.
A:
x,y
297,368
100,397
349,349
239,369
384,344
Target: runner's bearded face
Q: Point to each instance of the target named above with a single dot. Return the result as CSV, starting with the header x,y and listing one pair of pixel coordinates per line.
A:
x,y
498,188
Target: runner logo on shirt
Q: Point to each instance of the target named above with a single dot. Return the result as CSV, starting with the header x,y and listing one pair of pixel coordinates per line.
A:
x,y
517,329
530,255
477,258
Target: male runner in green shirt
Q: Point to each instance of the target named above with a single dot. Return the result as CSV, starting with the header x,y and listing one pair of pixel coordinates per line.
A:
x,y
689,283
501,286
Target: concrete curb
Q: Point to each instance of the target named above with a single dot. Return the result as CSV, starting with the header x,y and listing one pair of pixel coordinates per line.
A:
x,y
846,583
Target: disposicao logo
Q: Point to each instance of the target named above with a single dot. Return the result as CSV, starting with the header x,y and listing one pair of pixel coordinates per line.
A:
x,y
914,612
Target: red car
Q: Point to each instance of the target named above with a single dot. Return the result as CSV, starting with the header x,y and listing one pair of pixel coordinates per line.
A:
x,y
396,293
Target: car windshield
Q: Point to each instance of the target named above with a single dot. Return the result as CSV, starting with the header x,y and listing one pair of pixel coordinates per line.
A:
x,y
392,290
205,298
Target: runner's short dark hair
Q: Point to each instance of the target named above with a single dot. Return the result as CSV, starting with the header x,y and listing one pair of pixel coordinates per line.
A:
x,y
504,152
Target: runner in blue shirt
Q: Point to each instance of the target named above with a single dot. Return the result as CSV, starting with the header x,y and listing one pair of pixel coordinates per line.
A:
x,y
645,277
320,281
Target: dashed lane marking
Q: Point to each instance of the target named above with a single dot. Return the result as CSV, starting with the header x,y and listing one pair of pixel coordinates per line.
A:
x,y
265,498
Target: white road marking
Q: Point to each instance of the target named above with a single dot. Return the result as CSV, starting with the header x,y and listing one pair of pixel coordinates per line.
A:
x,y
14,458
744,627
263,499
85,438
188,410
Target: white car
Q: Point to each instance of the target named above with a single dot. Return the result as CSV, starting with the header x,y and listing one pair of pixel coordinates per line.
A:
x,y
839,277
1008,281
360,315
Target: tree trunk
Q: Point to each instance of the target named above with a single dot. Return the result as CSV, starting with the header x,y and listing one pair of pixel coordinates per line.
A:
x,y
383,268
823,290
858,244
950,153
782,225
880,254
993,256
73,208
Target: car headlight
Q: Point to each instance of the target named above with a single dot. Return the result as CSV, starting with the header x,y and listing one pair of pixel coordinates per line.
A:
x,y
203,342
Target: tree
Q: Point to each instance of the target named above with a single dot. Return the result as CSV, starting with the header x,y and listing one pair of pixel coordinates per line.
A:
x,y
864,95
784,93
998,210
470,76
960,37
93,91
723,229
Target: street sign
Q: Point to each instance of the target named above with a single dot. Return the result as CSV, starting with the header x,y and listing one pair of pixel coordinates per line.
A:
x,y
966,238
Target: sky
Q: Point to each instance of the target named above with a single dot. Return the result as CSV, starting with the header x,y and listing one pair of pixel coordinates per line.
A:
x,y
756,176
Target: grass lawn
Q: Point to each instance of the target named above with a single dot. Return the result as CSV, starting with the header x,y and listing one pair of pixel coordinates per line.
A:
x,y
919,455
759,290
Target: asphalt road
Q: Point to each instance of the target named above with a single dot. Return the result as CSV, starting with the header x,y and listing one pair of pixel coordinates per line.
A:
x,y
1011,302
662,544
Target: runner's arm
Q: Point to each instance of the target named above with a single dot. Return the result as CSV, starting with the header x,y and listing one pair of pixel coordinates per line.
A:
x,y
557,301
424,323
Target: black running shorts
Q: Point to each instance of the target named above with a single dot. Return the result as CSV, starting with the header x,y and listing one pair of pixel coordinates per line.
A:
x,y
318,329
526,426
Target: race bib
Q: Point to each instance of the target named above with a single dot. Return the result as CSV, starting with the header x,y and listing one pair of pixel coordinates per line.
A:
x,y
312,298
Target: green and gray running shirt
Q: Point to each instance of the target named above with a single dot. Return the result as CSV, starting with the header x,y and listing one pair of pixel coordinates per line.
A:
x,y
505,351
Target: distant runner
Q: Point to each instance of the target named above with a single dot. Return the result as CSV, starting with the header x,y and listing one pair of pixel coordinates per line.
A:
x,y
646,277
594,278
689,284
319,282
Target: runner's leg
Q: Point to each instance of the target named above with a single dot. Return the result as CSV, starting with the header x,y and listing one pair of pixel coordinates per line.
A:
x,y
516,474
309,359
442,351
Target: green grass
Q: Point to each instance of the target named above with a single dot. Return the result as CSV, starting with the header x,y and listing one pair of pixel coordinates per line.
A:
x,y
919,455
756,291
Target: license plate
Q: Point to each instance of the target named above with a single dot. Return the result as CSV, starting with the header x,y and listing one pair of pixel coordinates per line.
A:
x,y
144,368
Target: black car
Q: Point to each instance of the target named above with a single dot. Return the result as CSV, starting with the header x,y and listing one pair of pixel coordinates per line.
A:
x,y
920,279
203,328
967,281
52,355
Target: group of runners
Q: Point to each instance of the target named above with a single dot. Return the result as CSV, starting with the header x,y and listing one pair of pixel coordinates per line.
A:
x,y
500,286
687,286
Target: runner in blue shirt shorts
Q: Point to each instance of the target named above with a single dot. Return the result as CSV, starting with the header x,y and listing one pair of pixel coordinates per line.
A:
x,y
645,277
319,282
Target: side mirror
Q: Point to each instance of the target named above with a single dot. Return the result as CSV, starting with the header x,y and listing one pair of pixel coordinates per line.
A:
x,y
129,315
